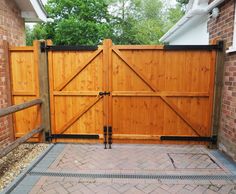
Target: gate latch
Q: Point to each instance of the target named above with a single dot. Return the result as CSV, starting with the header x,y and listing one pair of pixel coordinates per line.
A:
x,y
104,93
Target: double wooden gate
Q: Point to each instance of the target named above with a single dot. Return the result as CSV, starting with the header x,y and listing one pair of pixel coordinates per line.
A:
x,y
148,91
144,93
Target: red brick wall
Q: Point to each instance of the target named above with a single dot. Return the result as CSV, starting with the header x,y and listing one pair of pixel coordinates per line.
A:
x,y
222,28
12,31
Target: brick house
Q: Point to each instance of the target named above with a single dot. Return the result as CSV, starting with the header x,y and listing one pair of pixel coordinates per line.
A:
x,y
203,22
13,15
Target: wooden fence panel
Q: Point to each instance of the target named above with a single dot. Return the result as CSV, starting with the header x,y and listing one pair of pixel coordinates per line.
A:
x,y
24,81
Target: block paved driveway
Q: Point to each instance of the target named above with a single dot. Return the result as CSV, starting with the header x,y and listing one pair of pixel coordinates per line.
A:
x,y
88,168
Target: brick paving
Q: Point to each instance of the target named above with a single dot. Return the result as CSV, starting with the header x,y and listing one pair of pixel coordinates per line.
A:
x,y
145,158
66,161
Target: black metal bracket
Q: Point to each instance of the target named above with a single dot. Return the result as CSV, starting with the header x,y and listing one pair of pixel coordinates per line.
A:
x,y
49,137
104,93
218,46
212,139
221,45
105,136
45,48
109,136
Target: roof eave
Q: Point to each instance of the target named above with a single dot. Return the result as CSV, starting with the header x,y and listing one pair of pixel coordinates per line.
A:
x,y
188,17
181,23
32,10
40,11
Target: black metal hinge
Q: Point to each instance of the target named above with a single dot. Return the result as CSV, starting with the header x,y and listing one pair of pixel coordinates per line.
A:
x,y
219,46
212,139
45,47
49,136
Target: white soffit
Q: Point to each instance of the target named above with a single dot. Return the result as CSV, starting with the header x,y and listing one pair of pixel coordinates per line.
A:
x,y
197,11
32,10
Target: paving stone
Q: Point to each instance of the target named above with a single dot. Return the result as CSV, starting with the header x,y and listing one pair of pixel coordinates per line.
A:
x,y
190,187
160,190
134,190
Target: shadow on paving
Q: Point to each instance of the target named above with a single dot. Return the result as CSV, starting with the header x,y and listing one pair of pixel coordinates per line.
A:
x,y
88,168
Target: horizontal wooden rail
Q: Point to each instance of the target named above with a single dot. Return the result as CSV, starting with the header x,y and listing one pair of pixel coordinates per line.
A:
x,y
159,94
138,47
16,108
22,48
76,93
136,137
19,141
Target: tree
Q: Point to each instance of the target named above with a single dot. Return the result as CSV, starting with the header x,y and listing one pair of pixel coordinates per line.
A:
x,y
88,22
151,27
37,33
183,3
173,16
77,22
29,35
125,14
138,21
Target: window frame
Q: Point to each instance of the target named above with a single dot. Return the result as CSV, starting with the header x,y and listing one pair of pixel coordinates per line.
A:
x,y
233,47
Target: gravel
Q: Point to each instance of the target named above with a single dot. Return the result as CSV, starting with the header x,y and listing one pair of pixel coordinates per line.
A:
x,y
16,161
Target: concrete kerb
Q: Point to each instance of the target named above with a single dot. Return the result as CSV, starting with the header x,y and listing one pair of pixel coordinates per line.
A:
x,y
226,161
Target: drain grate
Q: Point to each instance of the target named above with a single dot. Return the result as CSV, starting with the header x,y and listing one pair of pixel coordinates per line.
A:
x,y
135,176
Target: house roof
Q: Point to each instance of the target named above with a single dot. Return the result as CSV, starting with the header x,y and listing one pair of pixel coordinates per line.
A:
x,y
32,10
196,10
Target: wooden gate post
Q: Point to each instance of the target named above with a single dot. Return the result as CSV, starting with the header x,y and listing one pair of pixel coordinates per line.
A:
x,y
43,85
6,62
219,75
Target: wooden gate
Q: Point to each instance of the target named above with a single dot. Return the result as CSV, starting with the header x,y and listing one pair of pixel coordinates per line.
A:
x,y
156,92
76,78
161,92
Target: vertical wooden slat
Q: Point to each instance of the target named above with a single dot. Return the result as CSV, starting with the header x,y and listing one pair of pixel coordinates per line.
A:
x,y
36,64
108,66
51,88
211,89
43,86
107,100
105,81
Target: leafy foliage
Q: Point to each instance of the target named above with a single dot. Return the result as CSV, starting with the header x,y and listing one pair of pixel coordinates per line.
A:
x,y
81,22
173,16
183,3
78,21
